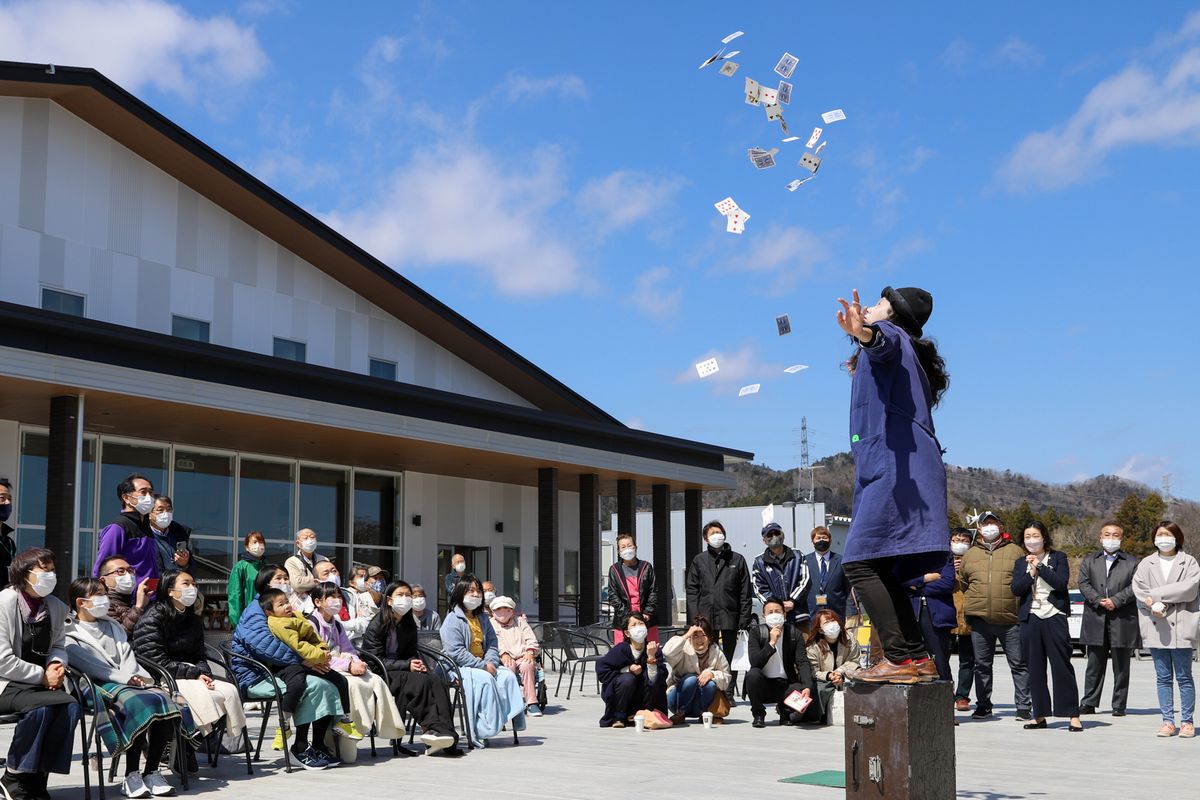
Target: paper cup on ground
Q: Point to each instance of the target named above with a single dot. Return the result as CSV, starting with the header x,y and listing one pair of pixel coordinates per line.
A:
x,y
707,716
639,723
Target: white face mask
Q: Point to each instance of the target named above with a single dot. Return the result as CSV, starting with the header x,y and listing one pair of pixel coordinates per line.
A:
x,y
1034,545
145,503
333,607
629,554
472,601
402,605
959,548
775,620
256,549
308,545
488,597
418,603
284,587
334,578
187,595
460,568
44,582
360,583
162,520
125,584
98,607
716,540
638,633
990,532
1163,543
831,630
1110,545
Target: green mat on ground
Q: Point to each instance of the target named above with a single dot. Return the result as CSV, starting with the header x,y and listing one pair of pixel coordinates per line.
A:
x,y
835,778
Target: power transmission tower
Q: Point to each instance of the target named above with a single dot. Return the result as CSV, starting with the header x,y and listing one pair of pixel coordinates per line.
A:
x,y
1166,492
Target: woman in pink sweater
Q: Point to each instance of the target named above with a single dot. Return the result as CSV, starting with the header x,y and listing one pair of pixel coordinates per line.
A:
x,y
518,648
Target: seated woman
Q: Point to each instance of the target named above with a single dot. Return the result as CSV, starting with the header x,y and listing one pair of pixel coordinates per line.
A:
x,y
832,656
371,704
141,719
392,638
518,646
171,634
427,619
33,666
698,671
253,638
493,694
632,676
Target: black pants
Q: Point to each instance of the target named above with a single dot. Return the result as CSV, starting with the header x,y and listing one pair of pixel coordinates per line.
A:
x,y
154,742
887,604
1093,678
423,695
1049,640
728,640
44,736
966,665
626,694
762,690
937,642
294,677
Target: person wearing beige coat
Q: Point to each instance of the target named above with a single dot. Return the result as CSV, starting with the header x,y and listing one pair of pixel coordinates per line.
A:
x,y
1166,586
694,672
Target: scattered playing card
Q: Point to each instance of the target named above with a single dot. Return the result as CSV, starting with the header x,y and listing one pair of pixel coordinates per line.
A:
x,y
816,136
735,221
810,162
707,367
783,324
768,514
751,389
796,184
792,370
792,139
712,58
728,68
726,205
787,65
833,116
731,54
768,96
773,110
752,89
785,92
764,161
731,37
820,147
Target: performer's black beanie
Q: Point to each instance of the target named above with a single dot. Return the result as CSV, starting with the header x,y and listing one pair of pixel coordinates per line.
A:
x,y
911,307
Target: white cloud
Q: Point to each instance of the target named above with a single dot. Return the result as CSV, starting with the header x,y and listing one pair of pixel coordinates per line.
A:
x,y
906,249
653,296
518,86
1137,106
136,43
625,197
1018,52
637,423
739,367
1144,468
462,208
956,54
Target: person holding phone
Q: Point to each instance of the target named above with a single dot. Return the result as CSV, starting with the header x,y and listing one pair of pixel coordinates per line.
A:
x,y
125,606
171,538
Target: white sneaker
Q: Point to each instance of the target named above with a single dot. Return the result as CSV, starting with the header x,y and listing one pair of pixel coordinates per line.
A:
x,y
434,742
158,785
134,786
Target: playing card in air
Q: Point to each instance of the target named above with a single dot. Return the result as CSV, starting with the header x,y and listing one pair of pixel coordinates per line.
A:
x,y
707,367
764,161
728,68
792,370
792,139
774,112
712,58
731,37
816,136
725,206
752,89
820,147
796,184
787,65
833,116
768,96
783,324
751,389
767,514
810,162
785,92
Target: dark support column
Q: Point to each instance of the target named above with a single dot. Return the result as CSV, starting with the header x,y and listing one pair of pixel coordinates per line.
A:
x,y
62,470
627,507
660,510
548,545
692,544
589,549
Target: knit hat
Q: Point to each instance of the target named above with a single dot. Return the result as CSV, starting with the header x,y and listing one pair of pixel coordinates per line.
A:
x,y
911,307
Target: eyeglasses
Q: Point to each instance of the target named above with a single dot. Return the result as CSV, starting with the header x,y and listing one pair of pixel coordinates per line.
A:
x,y
121,571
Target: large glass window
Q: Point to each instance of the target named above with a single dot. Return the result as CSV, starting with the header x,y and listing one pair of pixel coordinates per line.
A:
x,y
323,505
266,494
31,490
186,328
62,302
570,572
374,517
203,492
118,461
512,573
291,350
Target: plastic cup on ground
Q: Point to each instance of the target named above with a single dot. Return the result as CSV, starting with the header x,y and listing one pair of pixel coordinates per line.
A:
x,y
707,717
639,723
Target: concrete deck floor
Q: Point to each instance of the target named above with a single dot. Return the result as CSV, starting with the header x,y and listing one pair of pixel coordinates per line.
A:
x,y
565,755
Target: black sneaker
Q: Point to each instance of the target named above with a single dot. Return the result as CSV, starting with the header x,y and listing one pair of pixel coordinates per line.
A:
x,y
981,712
310,759
15,787
760,721
1117,712
327,755
1024,716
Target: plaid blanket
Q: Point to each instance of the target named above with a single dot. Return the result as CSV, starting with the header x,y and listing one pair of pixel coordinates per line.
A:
x,y
123,713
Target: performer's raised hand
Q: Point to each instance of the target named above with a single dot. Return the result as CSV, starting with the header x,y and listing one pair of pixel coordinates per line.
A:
x,y
850,318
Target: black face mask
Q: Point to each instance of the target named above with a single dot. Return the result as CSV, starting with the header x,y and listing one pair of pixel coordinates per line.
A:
x,y
5,512
821,546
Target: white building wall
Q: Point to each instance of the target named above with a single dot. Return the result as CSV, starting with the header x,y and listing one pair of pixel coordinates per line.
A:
x,y
81,213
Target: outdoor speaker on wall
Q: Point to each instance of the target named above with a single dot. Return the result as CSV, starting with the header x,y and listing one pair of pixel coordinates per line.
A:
x,y
499,527
416,520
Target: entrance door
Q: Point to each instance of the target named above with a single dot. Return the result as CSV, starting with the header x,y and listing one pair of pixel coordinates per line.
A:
x,y
478,564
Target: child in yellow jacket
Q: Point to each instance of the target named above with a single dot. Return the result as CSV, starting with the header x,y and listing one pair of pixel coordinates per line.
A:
x,y
295,631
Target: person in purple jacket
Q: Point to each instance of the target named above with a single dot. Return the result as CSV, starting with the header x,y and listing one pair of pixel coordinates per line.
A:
x,y
129,534
900,530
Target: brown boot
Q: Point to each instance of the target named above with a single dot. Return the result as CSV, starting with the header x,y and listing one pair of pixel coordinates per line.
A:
x,y
887,672
927,670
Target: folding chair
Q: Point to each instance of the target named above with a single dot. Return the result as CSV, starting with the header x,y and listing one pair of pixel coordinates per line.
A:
x,y
267,697
73,685
575,647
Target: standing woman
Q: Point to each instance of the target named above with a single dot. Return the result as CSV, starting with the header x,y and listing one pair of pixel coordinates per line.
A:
x,y
391,637
631,587
33,666
493,693
241,579
1167,587
1039,581
899,530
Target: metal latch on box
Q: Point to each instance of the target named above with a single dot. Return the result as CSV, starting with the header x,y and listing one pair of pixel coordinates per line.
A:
x,y
875,769
864,721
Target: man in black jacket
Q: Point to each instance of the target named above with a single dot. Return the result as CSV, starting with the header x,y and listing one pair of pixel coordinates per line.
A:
x,y
718,586
779,666
1110,619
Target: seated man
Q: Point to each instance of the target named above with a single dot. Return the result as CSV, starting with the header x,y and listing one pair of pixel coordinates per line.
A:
x,y
518,649
779,666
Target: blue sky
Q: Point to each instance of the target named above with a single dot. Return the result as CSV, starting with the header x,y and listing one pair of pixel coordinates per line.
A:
x,y
549,170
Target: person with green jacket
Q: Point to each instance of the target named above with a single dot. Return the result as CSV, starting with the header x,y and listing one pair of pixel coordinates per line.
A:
x,y
241,579
990,608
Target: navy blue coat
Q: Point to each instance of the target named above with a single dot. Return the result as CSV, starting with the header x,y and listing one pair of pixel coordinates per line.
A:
x,y
900,480
836,589
784,577
1057,573
938,595
253,638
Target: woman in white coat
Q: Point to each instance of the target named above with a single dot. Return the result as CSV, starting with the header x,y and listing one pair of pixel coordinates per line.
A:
x,y
1167,588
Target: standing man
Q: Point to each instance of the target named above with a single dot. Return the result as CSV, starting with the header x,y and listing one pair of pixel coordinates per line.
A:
x,y
960,635
458,568
718,586
781,573
829,589
8,548
303,563
991,610
129,534
1110,619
